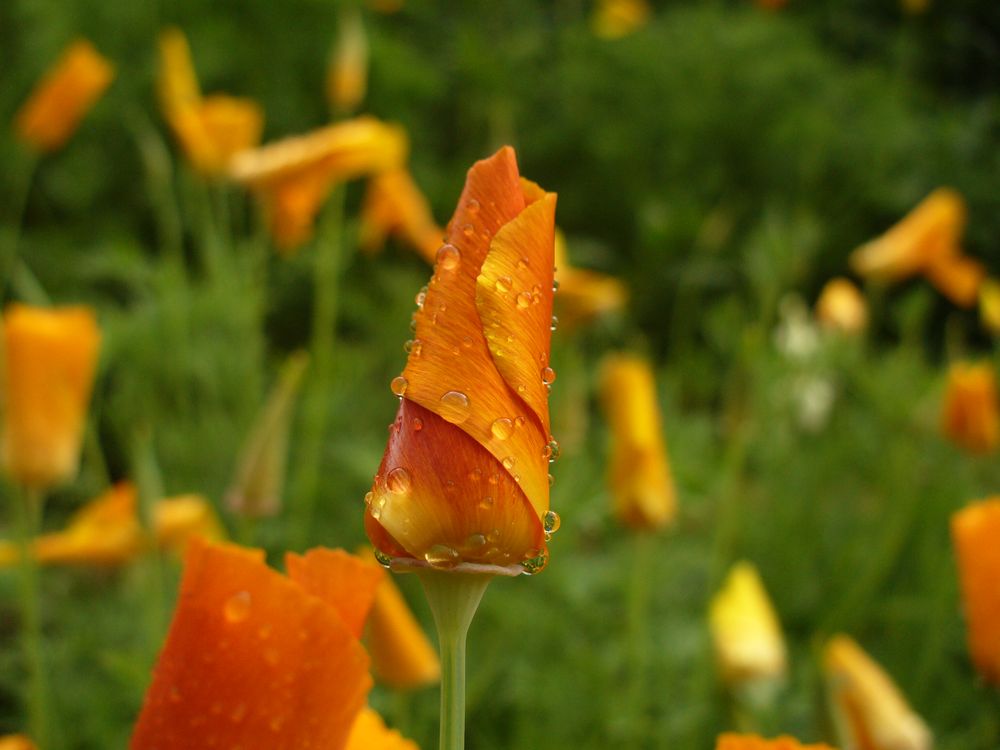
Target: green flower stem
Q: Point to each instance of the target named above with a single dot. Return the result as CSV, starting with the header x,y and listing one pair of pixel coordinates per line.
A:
x,y
326,279
454,598
29,506
19,203
637,623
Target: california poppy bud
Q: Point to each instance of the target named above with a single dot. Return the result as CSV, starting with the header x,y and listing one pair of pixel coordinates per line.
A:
x,y
971,413
258,487
841,307
49,357
464,478
974,532
347,73
869,711
745,630
614,19
931,230
57,105
640,478
732,741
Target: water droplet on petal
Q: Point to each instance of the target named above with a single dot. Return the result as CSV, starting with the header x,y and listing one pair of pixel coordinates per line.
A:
x,y
555,323
519,421
448,257
369,496
551,451
418,424
398,385
237,607
503,284
551,522
467,342
475,475
552,480
555,285
475,541
523,300
548,375
508,463
522,264
383,559
454,407
421,297
472,206
536,561
398,481
442,556
486,503
468,230
502,428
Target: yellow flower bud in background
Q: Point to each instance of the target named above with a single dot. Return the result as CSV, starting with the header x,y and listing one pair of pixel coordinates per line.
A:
x,y
63,97
989,305
746,633
868,709
50,356
957,277
258,487
640,478
105,531
614,19
974,531
347,73
177,520
970,416
16,742
842,307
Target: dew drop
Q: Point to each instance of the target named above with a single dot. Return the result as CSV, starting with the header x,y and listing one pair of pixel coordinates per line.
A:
x,y
237,714
522,264
467,342
468,230
486,503
508,463
398,385
237,607
442,556
421,297
555,323
376,512
551,522
552,480
548,376
535,562
475,541
555,285
475,475
369,496
418,424
502,428
551,450
454,407
383,559
519,421
472,206
398,481
448,257
413,324
523,300
503,284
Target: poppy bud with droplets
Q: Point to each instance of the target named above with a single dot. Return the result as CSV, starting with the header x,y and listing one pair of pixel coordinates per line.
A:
x,y
464,479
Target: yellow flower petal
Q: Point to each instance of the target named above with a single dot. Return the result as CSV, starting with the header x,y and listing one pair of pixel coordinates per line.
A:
x,y
842,307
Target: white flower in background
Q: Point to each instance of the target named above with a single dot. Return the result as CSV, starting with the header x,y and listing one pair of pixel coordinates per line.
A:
x,y
797,335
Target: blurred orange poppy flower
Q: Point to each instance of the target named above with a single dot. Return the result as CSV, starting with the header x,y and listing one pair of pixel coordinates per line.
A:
x,y
178,519
745,630
974,532
583,295
394,205
252,654
614,19
639,474
50,356
869,710
930,232
347,73
970,416
209,129
989,305
754,742
16,742
464,478
402,656
61,99
293,177
842,307
957,277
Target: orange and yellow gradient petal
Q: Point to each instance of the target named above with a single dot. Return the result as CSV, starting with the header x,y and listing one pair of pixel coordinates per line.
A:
x,y
970,416
974,531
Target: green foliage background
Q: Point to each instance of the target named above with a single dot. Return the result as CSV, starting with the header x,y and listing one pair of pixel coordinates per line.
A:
x,y
717,159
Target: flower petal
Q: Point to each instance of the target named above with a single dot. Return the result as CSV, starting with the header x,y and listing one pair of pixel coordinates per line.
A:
x,y
974,531
250,656
370,733
345,582
731,741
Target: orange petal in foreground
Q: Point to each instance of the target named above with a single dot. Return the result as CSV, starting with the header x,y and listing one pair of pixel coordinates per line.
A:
x,y
841,307
59,102
755,742
869,710
293,177
930,231
345,582
640,478
251,660
394,206
974,531
971,413
464,478
50,358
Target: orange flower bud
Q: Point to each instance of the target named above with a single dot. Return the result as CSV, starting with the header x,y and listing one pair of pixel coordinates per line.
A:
x,y
957,277
347,73
614,19
57,105
50,358
974,532
370,733
842,307
754,742
640,478
930,231
293,177
252,654
16,742
970,417
989,305
402,656
178,520
464,478
584,295
394,205
210,130
105,531
869,710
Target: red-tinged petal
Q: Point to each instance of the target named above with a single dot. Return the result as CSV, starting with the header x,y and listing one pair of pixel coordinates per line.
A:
x,y
345,582
452,372
514,300
251,660
443,498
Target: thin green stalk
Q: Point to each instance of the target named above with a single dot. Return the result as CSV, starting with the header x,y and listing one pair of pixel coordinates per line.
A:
x,y
29,506
637,620
149,483
19,202
454,599
326,279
